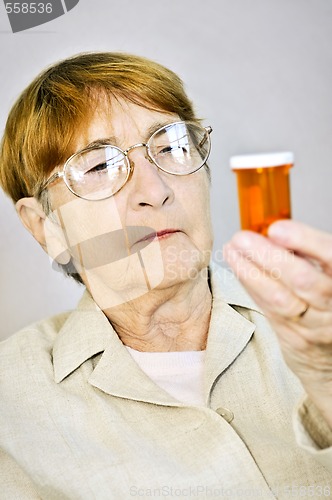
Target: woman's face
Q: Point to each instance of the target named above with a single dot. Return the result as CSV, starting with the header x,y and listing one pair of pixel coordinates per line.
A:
x,y
154,233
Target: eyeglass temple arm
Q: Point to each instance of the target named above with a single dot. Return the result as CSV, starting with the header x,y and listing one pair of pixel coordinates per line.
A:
x,y
49,181
208,131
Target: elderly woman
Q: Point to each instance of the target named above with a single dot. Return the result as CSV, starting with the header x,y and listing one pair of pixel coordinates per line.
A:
x,y
167,380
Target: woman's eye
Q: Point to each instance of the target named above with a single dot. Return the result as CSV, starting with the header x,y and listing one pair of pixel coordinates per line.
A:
x,y
97,168
166,149
175,148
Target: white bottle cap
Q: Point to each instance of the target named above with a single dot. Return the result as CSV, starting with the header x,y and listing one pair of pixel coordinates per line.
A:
x,y
262,160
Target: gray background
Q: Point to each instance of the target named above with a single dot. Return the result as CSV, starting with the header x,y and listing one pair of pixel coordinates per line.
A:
x,y
260,72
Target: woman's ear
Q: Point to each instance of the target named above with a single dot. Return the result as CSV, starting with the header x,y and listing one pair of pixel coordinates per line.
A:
x,y
48,233
33,218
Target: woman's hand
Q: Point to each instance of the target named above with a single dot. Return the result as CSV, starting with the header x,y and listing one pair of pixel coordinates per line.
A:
x,y
289,275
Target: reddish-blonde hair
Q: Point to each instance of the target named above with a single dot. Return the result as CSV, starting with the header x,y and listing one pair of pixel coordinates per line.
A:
x,y
44,122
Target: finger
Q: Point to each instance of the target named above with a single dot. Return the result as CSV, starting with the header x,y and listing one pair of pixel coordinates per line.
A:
x,y
279,303
303,239
298,274
314,326
303,341
270,293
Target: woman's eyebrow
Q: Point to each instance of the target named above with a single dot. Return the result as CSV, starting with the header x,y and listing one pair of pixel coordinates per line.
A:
x,y
156,126
102,142
113,140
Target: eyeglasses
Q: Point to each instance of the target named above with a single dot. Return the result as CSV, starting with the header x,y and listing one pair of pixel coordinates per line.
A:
x,y
98,172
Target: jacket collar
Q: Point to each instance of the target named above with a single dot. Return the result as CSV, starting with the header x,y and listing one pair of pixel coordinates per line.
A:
x,y
88,332
85,333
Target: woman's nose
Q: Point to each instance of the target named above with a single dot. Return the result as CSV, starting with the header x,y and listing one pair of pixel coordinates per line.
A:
x,y
149,186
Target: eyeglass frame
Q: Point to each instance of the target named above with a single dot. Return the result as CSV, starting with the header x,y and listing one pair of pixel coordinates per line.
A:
x,y
62,173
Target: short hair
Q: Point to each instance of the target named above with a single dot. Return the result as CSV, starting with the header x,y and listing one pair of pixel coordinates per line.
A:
x,y
50,113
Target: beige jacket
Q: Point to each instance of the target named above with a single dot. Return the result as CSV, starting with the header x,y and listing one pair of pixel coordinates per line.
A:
x,y
80,420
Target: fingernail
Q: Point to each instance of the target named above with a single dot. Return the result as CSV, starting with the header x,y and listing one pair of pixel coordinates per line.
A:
x,y
279,230
243,240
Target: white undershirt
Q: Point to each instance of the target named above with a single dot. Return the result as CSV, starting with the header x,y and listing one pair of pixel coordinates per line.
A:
x,y
179,373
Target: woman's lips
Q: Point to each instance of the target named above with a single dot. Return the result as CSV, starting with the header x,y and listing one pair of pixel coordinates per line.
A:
x,y
165,233
160,235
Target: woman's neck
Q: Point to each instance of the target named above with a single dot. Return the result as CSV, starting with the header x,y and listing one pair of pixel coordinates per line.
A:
x,y
172,319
